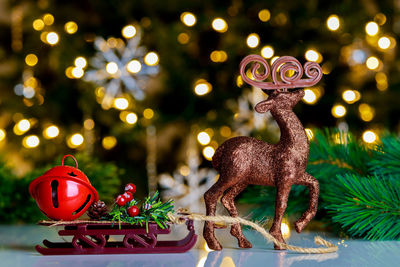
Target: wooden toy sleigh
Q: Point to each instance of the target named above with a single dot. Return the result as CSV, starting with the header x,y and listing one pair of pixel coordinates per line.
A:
x,y
99,238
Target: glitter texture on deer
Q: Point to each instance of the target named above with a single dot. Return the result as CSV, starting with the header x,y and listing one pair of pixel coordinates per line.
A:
x,y
242,161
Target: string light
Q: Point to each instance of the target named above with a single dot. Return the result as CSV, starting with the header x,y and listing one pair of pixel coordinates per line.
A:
x,y
219,25
31,60
77,72
151,59
38,24
52,38
208,152
338,111
121,103
333,23
203,138
372,28
148,113
109,142
51,132
372,63
189,19
384,42
202,87
267,51
253,40
129,31
71,27
264,15
112,67
80,62
131,118
2,135
30,141
75,140
22,127
369,137
134,66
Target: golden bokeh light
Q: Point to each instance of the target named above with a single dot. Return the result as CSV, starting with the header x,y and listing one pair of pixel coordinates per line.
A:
x,y
31,141
2,135
381,81
151,59
313,55
52,38
208,152
148,113
22,127
309,96
264,15
219,25
310,133
372,28
75,140
351,96
384,42
183,38
38,24
129,31
274,59
253,40
225,131
80,62
184,170
202,87
51,131
372,63
131,118
218,56
380,19
48,19
121,103
70,27
369,136
109,142
203,138
267,51
134,66
367,113
338,111
188,18
112,67
88,124
77,72
31,60
333,22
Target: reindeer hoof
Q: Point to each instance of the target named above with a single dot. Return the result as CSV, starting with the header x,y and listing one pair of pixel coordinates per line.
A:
x,y
214,245
244,243
278,247
299,226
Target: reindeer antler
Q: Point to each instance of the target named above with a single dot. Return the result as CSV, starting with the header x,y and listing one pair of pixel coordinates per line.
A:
x,y
282,65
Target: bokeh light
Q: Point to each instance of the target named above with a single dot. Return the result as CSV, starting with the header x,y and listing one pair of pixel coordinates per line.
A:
x,y
31,60
148,113
109,142
208,152
51,132
372,28
80,62
220,25
267,51
151,59
189,19
31,141
75,140
112,67
203,138
253,40
202,87
372,63
264,15
129,31
121,103
134,66
369,136
333,23
38,24
71,27
384,42
52,38
338,111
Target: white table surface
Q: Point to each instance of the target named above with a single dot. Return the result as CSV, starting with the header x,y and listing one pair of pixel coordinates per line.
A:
x,y
17,249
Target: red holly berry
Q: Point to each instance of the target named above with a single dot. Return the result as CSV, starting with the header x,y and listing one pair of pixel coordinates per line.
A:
x,y
131,188
128,195
121,200
133,211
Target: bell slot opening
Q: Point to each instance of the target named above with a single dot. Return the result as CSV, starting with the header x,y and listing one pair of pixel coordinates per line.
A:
x,y
54,193
83,205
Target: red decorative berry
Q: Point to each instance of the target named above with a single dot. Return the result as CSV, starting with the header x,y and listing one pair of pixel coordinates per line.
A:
x,y
131,188
133,211
121,200
128,195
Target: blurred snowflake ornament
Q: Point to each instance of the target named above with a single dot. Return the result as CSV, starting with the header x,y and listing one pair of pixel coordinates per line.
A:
x,y
188,184
118,65
247,119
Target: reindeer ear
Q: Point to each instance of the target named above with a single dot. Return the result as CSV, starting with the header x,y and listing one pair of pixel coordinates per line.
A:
x,y
263,106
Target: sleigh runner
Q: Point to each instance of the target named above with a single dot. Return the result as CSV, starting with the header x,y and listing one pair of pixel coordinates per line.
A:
x,y
97,238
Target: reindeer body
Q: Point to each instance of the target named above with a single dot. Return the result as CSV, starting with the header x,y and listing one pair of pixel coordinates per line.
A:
x,y
242,161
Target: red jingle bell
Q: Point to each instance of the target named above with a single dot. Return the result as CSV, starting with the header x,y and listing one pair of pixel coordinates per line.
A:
x,y
63,192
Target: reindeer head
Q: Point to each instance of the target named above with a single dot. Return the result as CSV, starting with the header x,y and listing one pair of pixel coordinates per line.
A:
x,y
278,95
280,101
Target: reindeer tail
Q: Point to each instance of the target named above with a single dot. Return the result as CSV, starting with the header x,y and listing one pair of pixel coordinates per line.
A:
x,y
216,160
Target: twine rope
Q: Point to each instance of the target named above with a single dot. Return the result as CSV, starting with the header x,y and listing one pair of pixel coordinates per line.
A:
x,y
180,219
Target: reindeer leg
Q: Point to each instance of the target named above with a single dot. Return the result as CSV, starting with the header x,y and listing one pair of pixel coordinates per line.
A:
x,y
282,195
228,202
211,198
313,187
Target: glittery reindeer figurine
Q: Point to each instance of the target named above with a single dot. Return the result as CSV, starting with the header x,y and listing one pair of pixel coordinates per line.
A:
x,y
242,161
